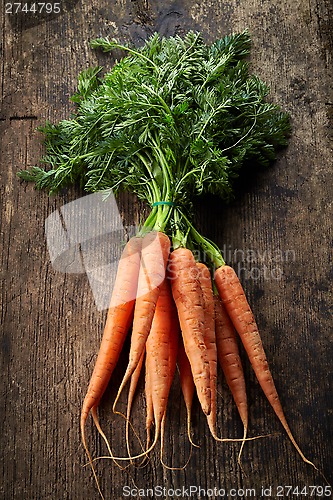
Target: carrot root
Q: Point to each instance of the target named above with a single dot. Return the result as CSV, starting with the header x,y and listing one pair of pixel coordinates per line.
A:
x,y
91,460
101,432
188,387
131,393
187,294
241,315
154,256
143,454
162,450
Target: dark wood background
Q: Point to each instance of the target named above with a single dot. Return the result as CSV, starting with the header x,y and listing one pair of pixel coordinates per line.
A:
x,y
50,325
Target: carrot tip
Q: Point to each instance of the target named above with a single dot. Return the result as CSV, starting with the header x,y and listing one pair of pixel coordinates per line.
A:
x,y
84,416
162,450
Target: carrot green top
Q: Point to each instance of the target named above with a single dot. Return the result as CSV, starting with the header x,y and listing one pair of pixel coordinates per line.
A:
x,y
171,120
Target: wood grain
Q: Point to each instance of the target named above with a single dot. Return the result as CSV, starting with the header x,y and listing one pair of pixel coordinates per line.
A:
x,y
50,325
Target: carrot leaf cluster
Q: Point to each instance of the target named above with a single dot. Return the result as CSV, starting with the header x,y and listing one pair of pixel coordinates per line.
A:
x,y
171,120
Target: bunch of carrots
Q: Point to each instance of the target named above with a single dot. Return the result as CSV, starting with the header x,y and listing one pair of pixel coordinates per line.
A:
x,y
173,119
180,316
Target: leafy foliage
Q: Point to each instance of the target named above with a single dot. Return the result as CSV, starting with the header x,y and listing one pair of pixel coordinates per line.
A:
x,y
173,119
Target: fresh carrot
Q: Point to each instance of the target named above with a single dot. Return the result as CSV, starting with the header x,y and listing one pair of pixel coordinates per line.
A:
x,y
230,362
161,354
154,257
187,385
209,337
173,353
188,297
133,385
241,315
117,324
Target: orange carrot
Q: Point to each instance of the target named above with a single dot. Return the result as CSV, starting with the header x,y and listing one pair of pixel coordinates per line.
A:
x,y
209,337
241,315
160,360
188,297
154,256
161,354
117,324
187,385
173,337
173,354
230,361
133,385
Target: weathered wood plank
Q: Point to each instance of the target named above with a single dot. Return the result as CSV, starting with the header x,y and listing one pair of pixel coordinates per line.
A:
x,y
50,326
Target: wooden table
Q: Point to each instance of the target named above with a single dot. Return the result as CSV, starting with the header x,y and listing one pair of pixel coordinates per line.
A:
x,y
50,326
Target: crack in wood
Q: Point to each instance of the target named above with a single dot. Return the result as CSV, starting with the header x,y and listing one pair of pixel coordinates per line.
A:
x,y
18,118
32,117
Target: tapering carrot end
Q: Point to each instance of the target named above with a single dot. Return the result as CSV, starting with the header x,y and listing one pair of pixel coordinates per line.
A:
x,y
189,424
83,419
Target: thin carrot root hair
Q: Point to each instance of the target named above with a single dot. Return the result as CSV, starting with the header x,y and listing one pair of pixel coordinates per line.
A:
x,y
241,449
90,459
143,454
101,432
162,449
189,427
237,440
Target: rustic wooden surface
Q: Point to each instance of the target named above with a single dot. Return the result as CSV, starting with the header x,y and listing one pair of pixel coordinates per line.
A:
x,y
50,325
